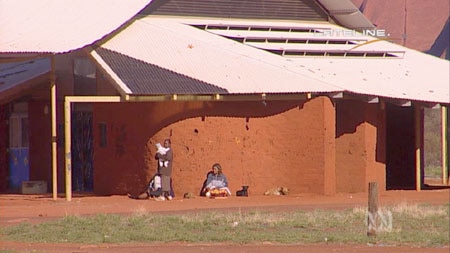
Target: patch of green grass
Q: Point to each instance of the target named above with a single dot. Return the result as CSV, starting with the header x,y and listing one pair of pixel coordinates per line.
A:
x,y
433,171
416,225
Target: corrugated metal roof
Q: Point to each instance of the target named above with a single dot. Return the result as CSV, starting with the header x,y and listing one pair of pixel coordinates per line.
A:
x,y
416,76
200,55
174,44
144,78
250,9
295,39
18,76
406,74
12,74
60,26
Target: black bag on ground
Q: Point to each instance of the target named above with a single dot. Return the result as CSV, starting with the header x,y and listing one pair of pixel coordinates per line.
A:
x,y
243,192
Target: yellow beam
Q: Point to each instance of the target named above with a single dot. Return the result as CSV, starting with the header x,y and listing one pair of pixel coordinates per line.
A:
x,y
219,97
67,131
92,99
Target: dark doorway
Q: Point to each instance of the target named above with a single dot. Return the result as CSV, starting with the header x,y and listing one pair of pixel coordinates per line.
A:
x,y
400,147
82,152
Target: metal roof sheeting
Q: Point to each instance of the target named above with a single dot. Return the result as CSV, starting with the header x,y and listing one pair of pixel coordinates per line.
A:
x,y
175,45
416,76
60,26
142,78
249,9
317,39
12,74
237,68
18,76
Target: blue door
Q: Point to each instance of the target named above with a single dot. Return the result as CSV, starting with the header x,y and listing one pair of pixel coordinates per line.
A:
x,y
19,169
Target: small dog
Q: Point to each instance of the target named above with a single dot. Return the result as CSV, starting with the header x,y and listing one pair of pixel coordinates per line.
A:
x,y
189,195
277,191
243,192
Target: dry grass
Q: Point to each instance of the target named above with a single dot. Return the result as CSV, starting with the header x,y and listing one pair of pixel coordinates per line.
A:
x,y
337,226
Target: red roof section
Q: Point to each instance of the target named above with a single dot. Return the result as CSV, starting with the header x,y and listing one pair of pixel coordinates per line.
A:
x,y
416,24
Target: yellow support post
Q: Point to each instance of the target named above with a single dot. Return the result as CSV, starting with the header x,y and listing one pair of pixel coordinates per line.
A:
x,y
68,100
418,144
444,142
54,137
68,153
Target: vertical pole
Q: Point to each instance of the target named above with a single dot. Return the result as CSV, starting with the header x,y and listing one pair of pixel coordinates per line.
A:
x,y
418,144
68,147
373,209
444,142
54,137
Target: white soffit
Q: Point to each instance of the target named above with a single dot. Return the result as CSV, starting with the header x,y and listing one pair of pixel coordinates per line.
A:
x,y
238,68
57,26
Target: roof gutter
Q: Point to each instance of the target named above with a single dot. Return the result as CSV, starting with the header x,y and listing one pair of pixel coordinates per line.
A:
x,y
346,14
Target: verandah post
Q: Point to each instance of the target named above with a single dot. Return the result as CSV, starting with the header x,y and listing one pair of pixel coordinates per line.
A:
x,y
372,216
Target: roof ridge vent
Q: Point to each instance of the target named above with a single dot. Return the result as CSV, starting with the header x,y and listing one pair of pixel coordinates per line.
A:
x,y
292,41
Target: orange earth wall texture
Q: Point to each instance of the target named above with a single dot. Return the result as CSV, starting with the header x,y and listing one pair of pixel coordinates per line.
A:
x,y
262,145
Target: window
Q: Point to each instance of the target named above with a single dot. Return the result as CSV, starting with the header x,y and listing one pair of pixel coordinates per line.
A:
x,y
102,129
18,134
84,73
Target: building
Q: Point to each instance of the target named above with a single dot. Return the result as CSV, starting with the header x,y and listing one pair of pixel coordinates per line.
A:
x,y
284,94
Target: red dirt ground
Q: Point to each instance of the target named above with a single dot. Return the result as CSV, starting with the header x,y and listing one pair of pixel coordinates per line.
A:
x,y
15,209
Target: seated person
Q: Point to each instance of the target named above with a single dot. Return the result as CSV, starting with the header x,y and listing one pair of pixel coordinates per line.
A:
x,y
203,190
216,183
153,189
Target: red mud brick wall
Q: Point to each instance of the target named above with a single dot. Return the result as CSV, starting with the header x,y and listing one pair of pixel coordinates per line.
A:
x,y
359,146
40,141
282,143
375,136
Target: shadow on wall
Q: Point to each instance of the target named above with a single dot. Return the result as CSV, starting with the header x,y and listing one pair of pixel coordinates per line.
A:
x,y
256,109
441,44
350,114
148,123
259,144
